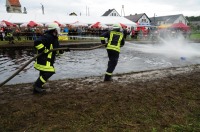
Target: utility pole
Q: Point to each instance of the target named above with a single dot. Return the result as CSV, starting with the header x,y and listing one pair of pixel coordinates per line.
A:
x,y
86,10
122,11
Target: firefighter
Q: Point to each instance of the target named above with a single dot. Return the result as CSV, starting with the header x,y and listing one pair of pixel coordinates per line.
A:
x,y
115,39
10,36
44,63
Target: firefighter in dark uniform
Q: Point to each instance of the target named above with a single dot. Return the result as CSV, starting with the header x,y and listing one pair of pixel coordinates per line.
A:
x,y
115,40
10,36
44,63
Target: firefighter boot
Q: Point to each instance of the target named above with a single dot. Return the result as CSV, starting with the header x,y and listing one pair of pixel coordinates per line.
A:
x,y
107,78
38,90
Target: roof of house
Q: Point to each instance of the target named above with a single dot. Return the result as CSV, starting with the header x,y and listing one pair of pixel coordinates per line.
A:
x,y
135,17
167,19
14,3
108,12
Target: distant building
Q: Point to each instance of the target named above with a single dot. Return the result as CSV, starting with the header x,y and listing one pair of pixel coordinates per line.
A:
x,y
170,19
195,23
73,14
13,6
111,12
139,18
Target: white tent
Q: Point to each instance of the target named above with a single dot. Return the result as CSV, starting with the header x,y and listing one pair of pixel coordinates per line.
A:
x,y
19,18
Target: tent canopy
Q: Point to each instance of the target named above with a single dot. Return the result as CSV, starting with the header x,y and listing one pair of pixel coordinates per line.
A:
x,y
99,25
78,23
180,26
96,25
123,25
60,24
20,18
31,24
9,24
3,24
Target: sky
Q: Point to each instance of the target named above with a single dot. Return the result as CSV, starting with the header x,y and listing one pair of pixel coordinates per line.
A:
x,y
99,7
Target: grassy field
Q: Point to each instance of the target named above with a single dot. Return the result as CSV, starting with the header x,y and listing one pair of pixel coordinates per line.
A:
x,y
195,36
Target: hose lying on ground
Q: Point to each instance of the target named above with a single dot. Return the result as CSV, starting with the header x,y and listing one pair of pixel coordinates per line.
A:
x,y
26,64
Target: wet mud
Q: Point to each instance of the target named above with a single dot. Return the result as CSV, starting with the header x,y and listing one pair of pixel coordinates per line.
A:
x,y
137,101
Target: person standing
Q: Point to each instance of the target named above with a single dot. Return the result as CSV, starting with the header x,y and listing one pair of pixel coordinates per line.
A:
x,y
115,40
1,34
44,63
10,36
125,32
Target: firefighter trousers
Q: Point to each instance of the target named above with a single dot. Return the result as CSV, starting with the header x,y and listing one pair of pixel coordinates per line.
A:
x,y
42,79
113,60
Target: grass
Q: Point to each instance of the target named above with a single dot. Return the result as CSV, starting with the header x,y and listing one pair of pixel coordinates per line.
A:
x,y
195,36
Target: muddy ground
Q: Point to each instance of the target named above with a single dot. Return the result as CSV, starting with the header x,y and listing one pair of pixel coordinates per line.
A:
x,y
158,100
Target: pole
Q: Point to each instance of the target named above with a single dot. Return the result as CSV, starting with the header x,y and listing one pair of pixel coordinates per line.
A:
x,y
27,63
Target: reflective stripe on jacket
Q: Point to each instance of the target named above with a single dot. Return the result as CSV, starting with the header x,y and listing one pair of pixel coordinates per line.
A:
x,y
48,66
9,34
115,40
44,44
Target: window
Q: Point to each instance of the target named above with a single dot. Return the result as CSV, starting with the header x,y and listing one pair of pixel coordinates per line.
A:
x,y
113,14
144,20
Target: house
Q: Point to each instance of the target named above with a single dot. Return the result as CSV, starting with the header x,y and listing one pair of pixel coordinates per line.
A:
x,y
111,12
13,6
139,18
170,19
195,23
73,14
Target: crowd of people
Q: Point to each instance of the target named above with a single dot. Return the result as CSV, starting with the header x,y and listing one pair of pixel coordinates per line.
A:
x,y
135,33
31,33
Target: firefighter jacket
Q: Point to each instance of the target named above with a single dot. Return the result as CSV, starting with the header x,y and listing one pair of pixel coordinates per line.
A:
x,y
44,44
9,34
115,40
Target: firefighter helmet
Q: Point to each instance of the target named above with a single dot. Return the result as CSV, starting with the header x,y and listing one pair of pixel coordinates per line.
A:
x,y
116,26
53,26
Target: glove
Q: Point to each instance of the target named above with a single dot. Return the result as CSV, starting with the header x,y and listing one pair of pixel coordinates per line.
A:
x,y
45,50
67,50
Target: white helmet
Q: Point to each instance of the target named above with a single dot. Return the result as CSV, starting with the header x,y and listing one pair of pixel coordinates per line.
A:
x,y
116,26
53,26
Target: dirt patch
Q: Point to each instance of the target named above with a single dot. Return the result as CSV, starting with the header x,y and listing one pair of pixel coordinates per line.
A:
x,y
156,100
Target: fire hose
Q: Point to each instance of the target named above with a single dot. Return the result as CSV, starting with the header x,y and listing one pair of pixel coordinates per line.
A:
x,y
56,49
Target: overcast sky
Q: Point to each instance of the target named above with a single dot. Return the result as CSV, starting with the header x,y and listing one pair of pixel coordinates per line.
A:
x,y
99,7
